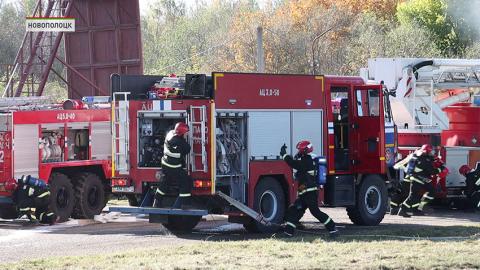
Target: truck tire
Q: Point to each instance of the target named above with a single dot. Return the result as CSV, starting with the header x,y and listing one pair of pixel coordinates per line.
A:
x,y
62,197
8,212
371,202
182,223
269,200
90,196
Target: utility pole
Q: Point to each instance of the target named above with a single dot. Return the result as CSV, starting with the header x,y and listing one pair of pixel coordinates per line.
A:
x,y
260,53
313,48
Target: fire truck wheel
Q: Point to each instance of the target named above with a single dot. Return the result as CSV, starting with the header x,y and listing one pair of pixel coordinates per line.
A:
x,y
61,195
8,212
182,223
371,203
269,200
89,195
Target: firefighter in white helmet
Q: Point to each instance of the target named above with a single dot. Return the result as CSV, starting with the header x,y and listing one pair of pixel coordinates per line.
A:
x,y
304,164
175,150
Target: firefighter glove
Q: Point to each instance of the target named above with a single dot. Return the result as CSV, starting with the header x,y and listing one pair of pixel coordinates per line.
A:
x,y
283,150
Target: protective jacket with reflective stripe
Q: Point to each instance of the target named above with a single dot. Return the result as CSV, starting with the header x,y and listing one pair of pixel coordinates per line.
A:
x,y
423,168
305,167
175,149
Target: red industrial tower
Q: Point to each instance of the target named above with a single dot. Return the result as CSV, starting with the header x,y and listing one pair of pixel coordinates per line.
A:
x,y
106,40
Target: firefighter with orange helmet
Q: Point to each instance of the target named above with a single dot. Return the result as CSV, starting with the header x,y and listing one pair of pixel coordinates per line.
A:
x,y
175,150
421,169
305,169
473,184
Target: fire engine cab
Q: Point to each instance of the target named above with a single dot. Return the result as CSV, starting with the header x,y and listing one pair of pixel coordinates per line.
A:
x,y
66,145
238,122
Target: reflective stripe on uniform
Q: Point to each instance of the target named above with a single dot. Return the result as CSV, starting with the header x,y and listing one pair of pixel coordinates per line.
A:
x,y
427,197
44,194
159,192
312,172
170,165
307,190
394,204
417,169
478,205
25,209
415,205
406,204
50,214
284,156
328,221
184,195
478,182
416,180
30,191
41,216
291,225
171,154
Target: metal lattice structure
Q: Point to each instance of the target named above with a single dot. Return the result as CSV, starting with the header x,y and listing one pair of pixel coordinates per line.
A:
x,y
37,53
106,40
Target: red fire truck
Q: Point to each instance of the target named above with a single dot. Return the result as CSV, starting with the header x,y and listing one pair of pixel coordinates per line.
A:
x,y
68,148
239,121
437,102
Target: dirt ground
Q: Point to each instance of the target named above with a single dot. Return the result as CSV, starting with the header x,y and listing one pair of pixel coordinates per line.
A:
x,y
19,241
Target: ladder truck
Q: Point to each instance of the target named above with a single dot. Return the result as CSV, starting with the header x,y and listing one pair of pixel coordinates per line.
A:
x,y
238,122
436,102
66,145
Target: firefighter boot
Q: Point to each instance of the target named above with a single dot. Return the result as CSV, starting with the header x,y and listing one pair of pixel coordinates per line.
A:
x,y
183,203
418,212
333,233
394,210
404,213
289,230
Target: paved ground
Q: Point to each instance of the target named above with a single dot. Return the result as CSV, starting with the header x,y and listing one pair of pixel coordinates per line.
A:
x,y
82,237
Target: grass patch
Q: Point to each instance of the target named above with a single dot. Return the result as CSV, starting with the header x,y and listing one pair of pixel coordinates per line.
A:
x,y
306,251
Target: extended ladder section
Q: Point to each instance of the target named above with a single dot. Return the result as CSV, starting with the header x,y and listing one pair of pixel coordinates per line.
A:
x,y
198,138
120,131
26,103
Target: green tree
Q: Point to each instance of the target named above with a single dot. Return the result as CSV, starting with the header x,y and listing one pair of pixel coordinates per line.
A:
x,y
443,19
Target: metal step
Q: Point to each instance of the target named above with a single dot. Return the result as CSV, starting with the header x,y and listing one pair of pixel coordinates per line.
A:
x,y
245,209
158,211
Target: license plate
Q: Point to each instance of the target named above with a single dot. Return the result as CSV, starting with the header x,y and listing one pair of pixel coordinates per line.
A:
x,y
123,189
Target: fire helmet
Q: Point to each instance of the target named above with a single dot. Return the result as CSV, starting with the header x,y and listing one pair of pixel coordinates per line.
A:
x,y
11,185
304,147
464,169
181,128
426,148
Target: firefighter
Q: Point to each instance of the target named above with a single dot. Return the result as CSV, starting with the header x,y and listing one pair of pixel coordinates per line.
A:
x,y
473,185
175,149
305,169
33,200
421,169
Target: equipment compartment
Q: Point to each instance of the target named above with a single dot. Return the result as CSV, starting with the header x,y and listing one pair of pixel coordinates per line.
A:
x,y
231,155
152,130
